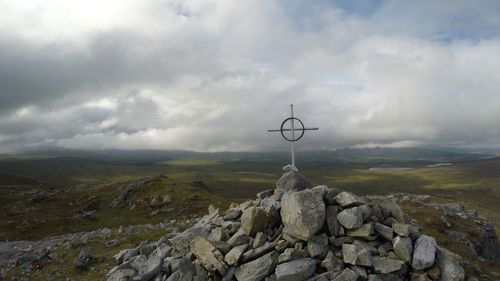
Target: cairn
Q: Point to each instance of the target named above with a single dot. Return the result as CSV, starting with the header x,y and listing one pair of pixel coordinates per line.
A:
x,y
295,233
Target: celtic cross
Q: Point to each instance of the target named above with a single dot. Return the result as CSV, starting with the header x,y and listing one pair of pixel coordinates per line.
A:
x,y
290,132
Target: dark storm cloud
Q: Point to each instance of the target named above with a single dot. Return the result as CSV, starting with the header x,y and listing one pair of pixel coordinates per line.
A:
x,y
214,75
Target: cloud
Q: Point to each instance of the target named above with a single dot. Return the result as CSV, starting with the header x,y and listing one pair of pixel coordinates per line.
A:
x,y
215,75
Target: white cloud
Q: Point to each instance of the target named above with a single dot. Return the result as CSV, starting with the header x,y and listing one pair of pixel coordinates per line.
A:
x,y
214,75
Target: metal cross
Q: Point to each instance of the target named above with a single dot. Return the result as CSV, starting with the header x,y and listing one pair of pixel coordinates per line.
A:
x,y
292,129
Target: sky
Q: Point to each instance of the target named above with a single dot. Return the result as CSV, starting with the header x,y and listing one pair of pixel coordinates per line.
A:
x,y
214,75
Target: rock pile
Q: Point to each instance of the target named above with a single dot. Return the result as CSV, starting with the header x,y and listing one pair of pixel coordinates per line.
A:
x,y
315,234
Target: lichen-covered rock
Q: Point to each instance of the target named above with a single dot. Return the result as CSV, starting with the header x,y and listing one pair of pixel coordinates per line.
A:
x,y
292,180
403,248
302,213
386,265
450,265
348,199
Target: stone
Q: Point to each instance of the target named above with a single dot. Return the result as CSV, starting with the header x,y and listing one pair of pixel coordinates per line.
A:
x,y
347,275
317,245
297,270
257,269
403,229
419,277
291,254
293,180
148,267
424,252
84,259
450,265
348,199
364,231
264,194
253,220
331,220
434,272
238,238
384,231
232,214
218,234
332,263
403,248
257,252
351,218
302,213
121,275
386,265
361,271
234,254
208,255
181,242
356,255
259,240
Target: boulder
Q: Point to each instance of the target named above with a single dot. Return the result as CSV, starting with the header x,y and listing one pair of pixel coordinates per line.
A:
x,y
364,231
302,213
292,180
351,218
253,220
296,270
450,265
424,252
332,263
403,229
291,254
85,259
234,254
257,269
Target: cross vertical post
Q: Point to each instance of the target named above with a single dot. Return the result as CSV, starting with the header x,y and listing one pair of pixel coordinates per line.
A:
x,y
293,134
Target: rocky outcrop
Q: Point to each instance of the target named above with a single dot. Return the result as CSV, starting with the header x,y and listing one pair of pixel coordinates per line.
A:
x,y
309,234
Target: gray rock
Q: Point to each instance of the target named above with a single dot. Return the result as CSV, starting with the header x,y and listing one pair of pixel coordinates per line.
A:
x,y
181,242
384,231
148,267
361,271
332,263
403,229
450,265
291,254
296,270
238,238
386,265
356,255
346,275
234,254
257,269
332,221
403,248
424,252
121,275
257,252
347,199
259,240
208,255
253,220
351,218
293,180
232,214
317,245
302,213
84,259
218,234
364,231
